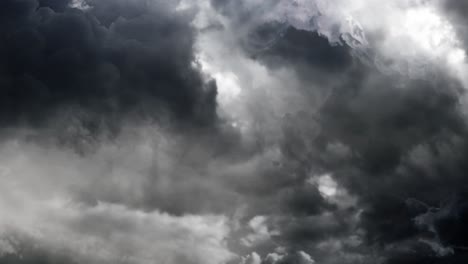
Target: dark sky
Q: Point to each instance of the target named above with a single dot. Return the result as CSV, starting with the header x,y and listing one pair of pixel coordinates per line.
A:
x,y
233,132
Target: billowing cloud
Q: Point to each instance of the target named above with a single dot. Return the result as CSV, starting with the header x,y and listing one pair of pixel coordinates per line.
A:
x,y
233,132
115,58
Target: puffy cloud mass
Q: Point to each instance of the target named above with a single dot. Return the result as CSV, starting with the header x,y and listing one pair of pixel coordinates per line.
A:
x,y
233,132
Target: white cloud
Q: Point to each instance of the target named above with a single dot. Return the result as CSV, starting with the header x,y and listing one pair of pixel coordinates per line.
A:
x,y
113,233
299,257
252,258
37,200
260,232
413,34
80,4
332,191
327,186
305,258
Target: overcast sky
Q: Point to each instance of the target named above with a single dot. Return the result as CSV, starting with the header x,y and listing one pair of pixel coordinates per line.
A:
x,y
233,132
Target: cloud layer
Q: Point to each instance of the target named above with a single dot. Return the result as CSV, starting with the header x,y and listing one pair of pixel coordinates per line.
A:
x,y
236,132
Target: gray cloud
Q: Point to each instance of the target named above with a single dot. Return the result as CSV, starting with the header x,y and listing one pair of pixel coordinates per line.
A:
x,y
113,59
232,132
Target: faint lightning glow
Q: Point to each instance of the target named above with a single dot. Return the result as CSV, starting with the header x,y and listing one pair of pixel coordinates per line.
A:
x,y
431,32
421,32
326,185
79,4
228,85
427,29
416,36
227,82
456,57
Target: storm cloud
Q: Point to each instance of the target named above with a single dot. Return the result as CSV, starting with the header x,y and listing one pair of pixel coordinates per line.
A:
x,y
117,57
236,132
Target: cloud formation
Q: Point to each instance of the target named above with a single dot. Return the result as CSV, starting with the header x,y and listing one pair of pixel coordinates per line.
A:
x,y
233,132
115,58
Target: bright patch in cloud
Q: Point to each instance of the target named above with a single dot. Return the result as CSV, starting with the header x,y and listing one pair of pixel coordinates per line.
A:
x,y
326,185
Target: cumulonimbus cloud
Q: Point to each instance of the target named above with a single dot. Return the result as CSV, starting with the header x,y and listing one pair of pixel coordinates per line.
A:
x,y
216,131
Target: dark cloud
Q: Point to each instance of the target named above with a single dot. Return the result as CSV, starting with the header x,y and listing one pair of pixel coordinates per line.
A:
x,y
56,5
405,137
280,45
119,57
385,138
392,146
400,137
